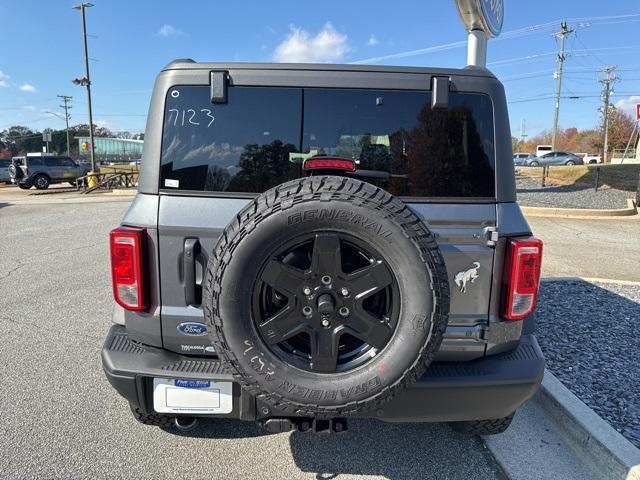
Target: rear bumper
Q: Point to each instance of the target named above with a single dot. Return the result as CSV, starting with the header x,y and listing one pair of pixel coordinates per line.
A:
x,y
492,387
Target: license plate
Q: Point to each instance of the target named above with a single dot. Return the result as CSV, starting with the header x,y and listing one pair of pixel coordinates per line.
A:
x,y
192,396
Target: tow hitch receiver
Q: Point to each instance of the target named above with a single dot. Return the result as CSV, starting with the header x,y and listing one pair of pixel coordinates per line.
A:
x,y
315,425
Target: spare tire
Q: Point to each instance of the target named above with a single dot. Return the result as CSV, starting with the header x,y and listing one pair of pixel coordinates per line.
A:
x,y
326,296
15,171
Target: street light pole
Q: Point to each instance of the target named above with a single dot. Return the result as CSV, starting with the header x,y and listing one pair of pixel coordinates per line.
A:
x,y
87,79
66,99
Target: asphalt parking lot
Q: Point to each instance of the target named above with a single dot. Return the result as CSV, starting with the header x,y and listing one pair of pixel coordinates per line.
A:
x,y
589,248
61,419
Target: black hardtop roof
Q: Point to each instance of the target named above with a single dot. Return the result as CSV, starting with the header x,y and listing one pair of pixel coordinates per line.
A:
x,y
188,64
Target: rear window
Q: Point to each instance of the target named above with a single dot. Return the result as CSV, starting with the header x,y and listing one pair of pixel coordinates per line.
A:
x,y
261,136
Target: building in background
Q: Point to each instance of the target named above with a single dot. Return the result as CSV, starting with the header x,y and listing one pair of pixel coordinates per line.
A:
x,y
110,150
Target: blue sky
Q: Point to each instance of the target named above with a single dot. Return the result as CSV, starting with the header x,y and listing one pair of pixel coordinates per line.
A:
x,y
41,50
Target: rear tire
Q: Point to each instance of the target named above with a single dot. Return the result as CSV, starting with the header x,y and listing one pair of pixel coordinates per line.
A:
x,y
483,427
41,182
24,186
152,419
534,164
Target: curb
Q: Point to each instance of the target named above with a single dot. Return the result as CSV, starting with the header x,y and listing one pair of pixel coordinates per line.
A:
x,y
592,213
592,436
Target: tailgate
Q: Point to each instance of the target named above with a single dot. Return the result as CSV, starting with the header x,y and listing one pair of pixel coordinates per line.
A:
x,y
188,228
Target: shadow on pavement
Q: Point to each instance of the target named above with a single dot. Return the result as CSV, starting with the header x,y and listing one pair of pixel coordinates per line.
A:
x,y
371,447
394,451
221,428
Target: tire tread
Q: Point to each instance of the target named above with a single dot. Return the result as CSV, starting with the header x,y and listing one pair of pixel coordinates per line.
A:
x,y
327,188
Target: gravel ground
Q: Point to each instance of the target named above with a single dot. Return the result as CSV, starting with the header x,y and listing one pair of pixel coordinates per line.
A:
x,y
531,194
589,335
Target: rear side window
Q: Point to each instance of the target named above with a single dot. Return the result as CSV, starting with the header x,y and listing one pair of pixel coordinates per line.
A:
x,y
260,138
52,162
34,162
403,145
240,146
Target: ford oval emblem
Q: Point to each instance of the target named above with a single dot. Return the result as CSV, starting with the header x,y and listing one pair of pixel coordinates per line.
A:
x,y
493,12
193,329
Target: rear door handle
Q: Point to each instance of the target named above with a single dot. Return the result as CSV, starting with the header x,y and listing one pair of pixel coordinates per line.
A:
x,y
191,247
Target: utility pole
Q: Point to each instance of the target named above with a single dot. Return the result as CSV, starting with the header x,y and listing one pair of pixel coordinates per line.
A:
x,y
564,32
86,81
66,99
608,82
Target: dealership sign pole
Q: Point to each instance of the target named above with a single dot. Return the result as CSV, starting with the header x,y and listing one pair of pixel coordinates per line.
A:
x,y
483,20
633,134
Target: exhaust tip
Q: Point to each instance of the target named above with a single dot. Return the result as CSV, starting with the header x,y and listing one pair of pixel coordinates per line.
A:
x,y
185,424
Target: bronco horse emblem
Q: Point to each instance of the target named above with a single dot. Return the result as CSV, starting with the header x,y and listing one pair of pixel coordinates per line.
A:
x,y
463,277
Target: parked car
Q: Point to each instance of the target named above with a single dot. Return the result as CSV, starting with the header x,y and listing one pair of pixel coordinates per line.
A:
x,y
301,276
4,170
520,159
591,159
556,158
42,171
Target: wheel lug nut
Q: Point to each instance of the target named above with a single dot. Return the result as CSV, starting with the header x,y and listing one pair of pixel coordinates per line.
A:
x,y
343,311
344,291
325,322
306,290
306,311
326,280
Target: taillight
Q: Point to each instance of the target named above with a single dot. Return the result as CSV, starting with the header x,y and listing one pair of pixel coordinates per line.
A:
x,y
329,163
522,277
127,253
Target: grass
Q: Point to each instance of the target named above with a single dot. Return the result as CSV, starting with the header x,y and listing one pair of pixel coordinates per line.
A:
x,y
622,177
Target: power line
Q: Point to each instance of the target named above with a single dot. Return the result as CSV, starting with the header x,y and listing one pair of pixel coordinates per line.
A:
x,y
517,33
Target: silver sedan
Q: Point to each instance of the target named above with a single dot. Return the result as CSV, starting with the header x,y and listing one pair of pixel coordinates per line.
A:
x,y
556,158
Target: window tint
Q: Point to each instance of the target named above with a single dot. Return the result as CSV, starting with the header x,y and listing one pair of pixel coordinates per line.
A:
x,y
243,145
34,161
403,145
67,162
261,136
51,162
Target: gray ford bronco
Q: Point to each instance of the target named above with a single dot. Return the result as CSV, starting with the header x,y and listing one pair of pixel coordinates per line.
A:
x,y
312,243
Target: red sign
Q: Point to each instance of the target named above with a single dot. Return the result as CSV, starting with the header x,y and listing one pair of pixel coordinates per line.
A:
x,y
637,111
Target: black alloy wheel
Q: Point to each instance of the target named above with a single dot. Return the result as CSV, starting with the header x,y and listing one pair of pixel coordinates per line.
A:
x,y
326,302
41,182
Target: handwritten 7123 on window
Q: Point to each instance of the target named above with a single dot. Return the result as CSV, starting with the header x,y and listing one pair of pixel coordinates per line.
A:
x,y
191,116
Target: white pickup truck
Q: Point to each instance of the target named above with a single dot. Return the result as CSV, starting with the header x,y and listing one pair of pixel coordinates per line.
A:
x,y
589,158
